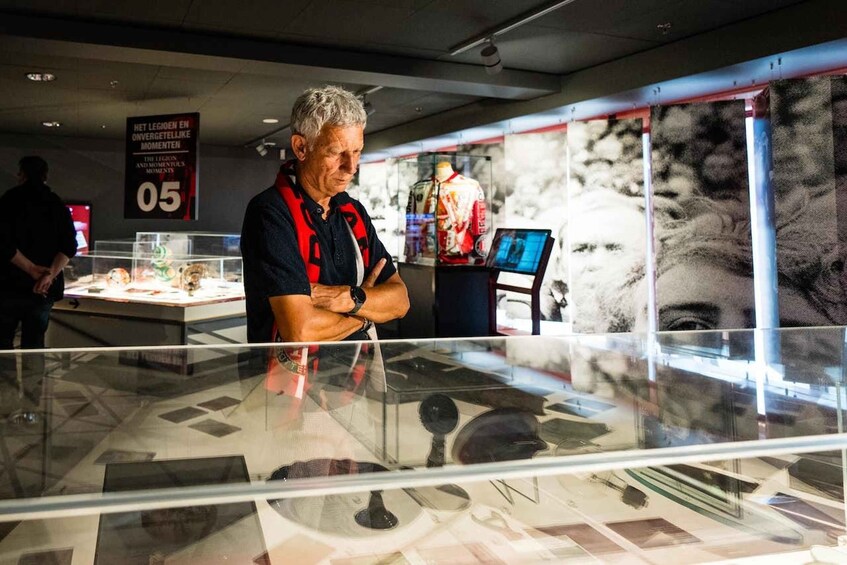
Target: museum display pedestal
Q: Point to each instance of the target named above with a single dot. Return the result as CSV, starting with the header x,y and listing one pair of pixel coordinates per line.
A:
x,y
97,322
162,288
446,301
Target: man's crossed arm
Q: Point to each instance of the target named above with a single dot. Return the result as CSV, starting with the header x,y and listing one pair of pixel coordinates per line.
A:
x,y
323,315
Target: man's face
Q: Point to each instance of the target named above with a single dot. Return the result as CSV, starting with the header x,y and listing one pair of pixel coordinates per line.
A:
x,y
328,167
605,240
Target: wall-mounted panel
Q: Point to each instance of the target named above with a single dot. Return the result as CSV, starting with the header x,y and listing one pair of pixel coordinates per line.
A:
x,y
701,209
607,226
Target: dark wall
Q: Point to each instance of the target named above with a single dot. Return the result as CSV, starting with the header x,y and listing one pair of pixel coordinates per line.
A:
x,y
93,170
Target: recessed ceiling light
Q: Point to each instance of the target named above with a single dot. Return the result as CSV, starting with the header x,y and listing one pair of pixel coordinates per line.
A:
x,y
51,124
270,121
41,77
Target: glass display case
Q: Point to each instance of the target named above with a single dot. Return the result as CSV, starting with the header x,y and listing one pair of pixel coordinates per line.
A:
x,y
695,447
161,288
162,268
447,236
447,198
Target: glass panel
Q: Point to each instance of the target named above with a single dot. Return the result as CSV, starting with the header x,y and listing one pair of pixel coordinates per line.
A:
x,y
175,269
448,198
114,247
533,448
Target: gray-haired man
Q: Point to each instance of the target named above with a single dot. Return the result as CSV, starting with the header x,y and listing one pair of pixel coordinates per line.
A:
x,y
314,268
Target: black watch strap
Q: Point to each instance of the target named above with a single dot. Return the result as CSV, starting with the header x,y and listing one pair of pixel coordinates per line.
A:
x,y
358,295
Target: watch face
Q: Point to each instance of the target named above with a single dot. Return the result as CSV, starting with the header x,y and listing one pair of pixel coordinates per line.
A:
x,y
358,295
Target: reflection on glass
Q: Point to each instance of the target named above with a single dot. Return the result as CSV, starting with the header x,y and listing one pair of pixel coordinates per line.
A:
x,y
184,418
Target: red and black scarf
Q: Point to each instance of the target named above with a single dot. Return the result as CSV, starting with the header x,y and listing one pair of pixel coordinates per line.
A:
x,y
307,239
295,362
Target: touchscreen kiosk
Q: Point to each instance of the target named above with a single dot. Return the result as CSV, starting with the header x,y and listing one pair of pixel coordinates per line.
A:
x,y
522,251
518,250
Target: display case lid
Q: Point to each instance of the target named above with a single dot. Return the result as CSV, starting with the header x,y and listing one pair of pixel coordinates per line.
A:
x,y
507,407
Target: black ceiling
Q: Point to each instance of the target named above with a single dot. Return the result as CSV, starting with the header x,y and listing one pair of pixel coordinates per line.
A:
x,y
239,62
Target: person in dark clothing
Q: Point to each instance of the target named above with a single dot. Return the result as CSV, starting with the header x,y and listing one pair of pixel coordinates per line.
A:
x,y
37,239
314,268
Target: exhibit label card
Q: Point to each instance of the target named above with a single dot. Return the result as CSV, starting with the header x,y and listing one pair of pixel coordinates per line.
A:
x,y
161,167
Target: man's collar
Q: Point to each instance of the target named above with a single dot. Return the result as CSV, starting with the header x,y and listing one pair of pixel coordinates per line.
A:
x,y
289,169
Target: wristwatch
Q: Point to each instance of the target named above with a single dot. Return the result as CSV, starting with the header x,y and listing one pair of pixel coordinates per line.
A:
x,y
358,295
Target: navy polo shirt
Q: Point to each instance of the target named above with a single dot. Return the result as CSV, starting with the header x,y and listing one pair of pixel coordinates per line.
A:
x,y
272,262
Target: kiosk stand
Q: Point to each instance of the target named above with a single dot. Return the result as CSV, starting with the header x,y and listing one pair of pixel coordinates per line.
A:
x,y
522,251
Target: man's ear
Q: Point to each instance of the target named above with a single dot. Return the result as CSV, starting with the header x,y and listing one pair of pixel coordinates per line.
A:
x,y
299,146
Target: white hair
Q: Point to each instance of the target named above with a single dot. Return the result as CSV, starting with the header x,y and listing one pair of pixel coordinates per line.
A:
x,y
328,105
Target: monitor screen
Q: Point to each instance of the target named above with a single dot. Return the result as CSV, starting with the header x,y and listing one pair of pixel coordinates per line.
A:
x,y
81,215
232,245
517,250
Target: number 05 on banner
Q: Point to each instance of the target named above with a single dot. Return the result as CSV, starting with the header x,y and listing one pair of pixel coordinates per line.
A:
x,y
168,199
161,167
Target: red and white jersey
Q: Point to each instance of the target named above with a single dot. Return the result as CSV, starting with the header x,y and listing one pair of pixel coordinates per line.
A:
x,y
458,206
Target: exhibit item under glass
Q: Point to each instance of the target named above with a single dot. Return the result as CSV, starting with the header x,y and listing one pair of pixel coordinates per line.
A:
x,y
691,447
159,288
448,198
174,268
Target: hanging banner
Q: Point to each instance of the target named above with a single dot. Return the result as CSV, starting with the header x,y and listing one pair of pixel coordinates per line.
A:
x,y
161,167
808,126
603,240
701,220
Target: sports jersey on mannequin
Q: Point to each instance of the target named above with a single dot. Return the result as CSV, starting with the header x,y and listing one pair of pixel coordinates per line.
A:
x,y
449,209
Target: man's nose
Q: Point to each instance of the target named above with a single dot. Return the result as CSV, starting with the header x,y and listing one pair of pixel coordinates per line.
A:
x,y
349,164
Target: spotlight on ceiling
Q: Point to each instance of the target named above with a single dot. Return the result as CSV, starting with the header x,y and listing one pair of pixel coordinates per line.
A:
x,y
51,124
41,77
491,58
263,147
270,121
363,96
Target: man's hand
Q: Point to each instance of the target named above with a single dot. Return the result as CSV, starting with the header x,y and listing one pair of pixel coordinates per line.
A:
x,y
49,274
370,280
37,272
336,298
42,285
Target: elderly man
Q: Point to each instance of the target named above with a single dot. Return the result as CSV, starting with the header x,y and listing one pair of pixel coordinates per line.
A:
x,y
314,268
